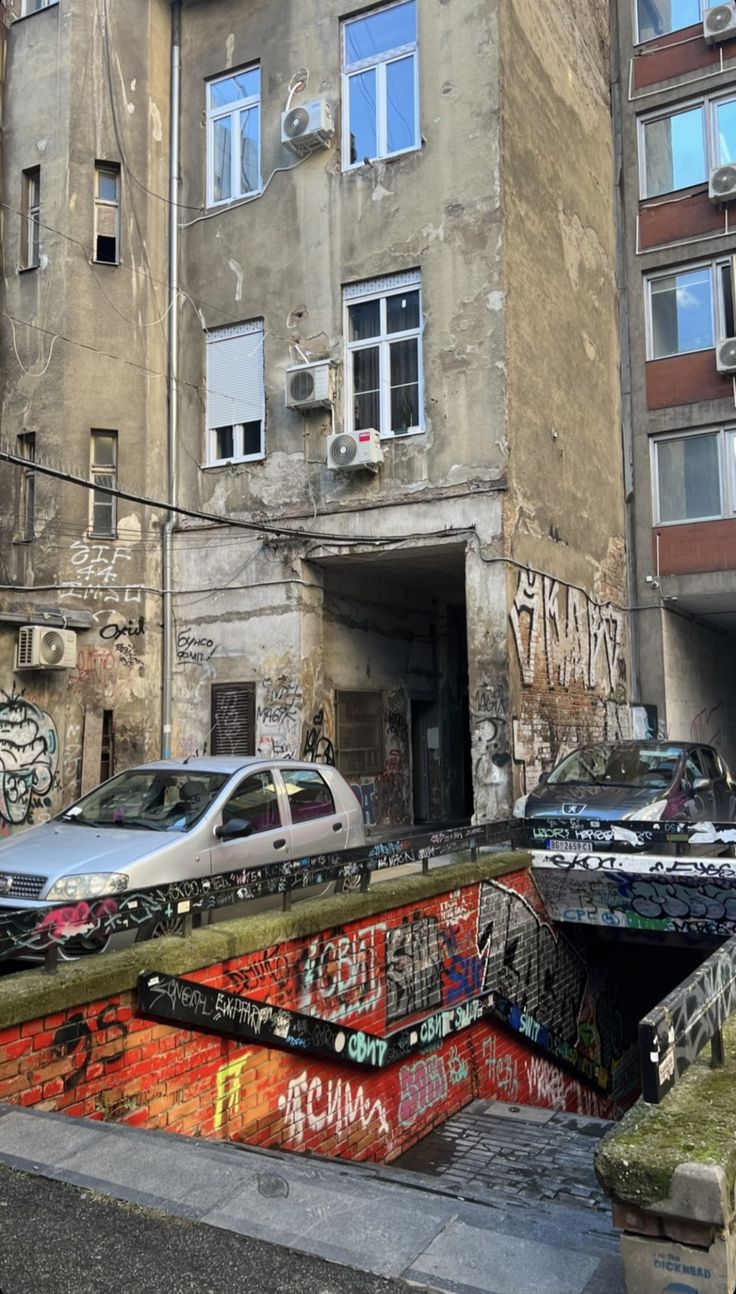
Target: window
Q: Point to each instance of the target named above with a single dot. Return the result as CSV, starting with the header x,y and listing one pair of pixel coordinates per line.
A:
x,y
309,795
27,509
380,83
104,473
234,136
107,213
106,747
233,719
359,733
235,394
679,148
694,476
384,369
689,310
657,17
35,6
30,248
256,801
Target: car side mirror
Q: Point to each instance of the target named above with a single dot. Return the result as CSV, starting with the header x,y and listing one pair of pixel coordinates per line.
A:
x,y
233,828
542,779
702,784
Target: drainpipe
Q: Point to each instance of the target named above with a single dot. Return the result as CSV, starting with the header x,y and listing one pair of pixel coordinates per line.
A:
x,y
172,378
623,318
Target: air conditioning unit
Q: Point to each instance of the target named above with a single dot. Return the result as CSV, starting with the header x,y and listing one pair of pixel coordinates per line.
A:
x,y
719,23
726,355
722,183
307,127
352,450
309,386
42,648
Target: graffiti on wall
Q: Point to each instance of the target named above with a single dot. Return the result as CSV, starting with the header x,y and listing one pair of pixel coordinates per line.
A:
x,y
413,968
340,974
565,641
29,752
310,1105
317,746
100,573
278,715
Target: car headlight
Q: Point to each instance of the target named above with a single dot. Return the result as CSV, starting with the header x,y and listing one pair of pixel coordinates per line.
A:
x,y
650,812
519,809
89,886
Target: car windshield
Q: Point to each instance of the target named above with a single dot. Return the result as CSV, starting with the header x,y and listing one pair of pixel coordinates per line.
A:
x,y
619,765
156,799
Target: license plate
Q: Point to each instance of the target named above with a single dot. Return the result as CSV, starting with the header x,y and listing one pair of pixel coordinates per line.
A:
x,y
564,846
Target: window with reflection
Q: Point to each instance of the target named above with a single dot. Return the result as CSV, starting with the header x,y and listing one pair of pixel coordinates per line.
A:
x,y
658,17
384,345
380,90
680,148
234,136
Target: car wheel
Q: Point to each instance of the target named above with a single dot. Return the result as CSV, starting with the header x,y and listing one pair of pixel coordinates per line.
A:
x,y
158,927
85,946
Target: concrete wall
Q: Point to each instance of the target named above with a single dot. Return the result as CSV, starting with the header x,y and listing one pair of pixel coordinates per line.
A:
x,y
564,509
700,688
89,351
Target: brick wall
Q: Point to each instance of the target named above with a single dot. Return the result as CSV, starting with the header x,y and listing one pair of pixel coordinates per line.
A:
x,y
381,973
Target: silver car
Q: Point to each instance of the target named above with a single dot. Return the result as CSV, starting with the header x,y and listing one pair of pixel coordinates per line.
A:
x,y
217,814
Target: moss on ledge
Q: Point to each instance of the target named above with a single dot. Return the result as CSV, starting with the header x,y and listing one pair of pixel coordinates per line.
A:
x,y
694,1124
31,993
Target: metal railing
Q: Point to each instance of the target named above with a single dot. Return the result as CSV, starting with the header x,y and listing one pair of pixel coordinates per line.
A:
x,y
84,925
675,1031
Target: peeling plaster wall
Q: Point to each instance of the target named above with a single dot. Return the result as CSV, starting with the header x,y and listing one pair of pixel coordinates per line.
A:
x,y
93,356
564,509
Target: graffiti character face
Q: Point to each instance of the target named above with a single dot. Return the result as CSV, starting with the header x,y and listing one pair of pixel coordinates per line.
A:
x,y
28,756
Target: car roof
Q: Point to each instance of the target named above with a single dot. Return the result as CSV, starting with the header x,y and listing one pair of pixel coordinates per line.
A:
x,y
228,764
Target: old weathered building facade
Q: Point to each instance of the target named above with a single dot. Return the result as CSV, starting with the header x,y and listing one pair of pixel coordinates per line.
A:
x,y
393,392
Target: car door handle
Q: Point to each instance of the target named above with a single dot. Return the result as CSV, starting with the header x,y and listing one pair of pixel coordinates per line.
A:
x,y
337,826
279,844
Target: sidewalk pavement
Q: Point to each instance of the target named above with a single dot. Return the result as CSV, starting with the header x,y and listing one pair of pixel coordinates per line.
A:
x,y
217,1218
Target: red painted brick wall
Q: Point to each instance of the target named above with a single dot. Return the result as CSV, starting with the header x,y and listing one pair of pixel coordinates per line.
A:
x,y
104,1061
676,54
695,546
683,215
685,379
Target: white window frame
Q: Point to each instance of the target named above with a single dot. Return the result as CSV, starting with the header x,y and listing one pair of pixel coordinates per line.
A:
x,y
702,4
709,105
379,62
109,471
233,111
35,6
107,168
716,303
380,290
30,250
726,474
253,330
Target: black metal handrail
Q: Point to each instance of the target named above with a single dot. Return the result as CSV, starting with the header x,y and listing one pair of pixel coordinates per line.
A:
x,y
675,1031
43,930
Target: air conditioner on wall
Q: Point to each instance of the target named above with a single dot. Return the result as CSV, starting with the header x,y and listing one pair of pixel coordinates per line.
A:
x,y
309,386
719,23
307,127
351,450
722,183
726,355
42,648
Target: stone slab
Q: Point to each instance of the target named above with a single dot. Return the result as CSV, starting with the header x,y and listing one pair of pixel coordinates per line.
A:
x,y
473,1258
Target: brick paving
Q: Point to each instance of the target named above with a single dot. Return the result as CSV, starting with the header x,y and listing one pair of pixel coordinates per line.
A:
x,y
513,1155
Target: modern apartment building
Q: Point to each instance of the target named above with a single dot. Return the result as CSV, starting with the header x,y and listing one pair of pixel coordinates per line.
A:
x,y
382,392
676,114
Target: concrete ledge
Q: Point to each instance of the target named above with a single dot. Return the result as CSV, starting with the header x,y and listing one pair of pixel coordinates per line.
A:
x,y
32,994
678,1159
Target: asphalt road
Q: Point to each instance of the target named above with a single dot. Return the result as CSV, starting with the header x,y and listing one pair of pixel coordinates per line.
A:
x,y
58,1239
